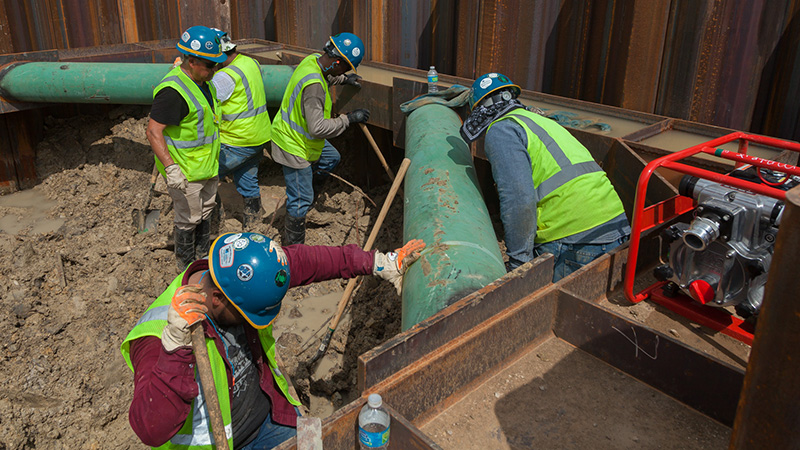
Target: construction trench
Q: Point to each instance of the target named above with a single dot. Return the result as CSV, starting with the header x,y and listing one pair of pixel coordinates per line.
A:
x,y
469,357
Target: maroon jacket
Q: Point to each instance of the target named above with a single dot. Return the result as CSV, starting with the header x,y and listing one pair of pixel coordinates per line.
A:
x,y
164,383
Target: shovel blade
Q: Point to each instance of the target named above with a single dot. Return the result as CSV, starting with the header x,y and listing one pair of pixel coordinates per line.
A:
x,y
151,221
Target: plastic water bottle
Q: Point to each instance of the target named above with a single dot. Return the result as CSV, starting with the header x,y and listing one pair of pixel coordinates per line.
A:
x,y
433,78
373,424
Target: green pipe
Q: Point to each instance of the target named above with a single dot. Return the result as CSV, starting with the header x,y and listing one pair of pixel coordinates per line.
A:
x,y
111,83
445,208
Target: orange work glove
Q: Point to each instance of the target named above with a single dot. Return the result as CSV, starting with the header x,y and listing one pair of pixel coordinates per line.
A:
x,y
391,266
187,308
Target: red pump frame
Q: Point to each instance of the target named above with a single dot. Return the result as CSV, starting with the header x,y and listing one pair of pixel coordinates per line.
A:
x,y
649,217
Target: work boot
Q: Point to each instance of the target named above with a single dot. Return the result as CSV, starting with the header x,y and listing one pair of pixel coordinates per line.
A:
x,y
295,230
184,247
202,239
252,212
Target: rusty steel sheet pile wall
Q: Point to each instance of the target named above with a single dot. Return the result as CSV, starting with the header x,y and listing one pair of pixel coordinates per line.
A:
x,y
726,63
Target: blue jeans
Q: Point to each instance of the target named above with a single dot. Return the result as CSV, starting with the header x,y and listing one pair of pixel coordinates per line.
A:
x,y
271,434
571,257
243,163
299,189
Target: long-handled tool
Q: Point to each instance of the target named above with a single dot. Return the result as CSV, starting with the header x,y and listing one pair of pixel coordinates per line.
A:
x,y
145,219
351,284
377,150
209,389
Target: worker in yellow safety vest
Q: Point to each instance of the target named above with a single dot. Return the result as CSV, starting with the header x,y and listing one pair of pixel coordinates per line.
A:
x,y
235,296
183,131
304,123
554,198
245,125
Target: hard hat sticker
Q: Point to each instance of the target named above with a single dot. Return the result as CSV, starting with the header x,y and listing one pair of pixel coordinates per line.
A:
x,y
347,42
486,82
280,278
232,238
226,256
257,238
245,272
185,36
195,45
356,52
209,45
241,243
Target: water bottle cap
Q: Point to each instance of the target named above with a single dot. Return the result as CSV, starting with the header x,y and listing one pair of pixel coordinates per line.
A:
x,y
375,400
433,68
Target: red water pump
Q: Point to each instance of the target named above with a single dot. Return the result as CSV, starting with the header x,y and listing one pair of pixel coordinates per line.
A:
x,y
719,257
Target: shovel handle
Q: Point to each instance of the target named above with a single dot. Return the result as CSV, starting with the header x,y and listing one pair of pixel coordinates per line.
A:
x,y
209,389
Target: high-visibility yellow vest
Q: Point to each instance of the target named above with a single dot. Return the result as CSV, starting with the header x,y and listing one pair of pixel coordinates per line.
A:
x,y
196,431
574,192
290,129
244,117
194,143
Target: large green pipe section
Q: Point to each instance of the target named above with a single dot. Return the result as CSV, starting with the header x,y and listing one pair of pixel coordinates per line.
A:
x,y
445,208
109,83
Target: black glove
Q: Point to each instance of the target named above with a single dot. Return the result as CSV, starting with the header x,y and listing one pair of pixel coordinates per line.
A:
x,y
358,116
352,79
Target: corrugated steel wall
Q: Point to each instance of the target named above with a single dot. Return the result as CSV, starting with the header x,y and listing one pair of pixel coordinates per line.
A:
x,y
732,63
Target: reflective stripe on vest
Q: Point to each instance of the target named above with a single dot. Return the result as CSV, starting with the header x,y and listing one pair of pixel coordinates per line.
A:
x,y
290,128
202,139
568,171
245,119
298,89
251,110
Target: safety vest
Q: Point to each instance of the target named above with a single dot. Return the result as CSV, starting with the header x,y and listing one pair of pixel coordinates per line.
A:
x,y
574,192
245,121
194,143
290,129
196,431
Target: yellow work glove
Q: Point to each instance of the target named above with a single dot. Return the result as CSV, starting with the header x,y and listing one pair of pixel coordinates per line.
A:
x,y
392,265
187,308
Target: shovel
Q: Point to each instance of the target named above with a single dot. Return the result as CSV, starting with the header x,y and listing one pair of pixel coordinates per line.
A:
x,y
145,219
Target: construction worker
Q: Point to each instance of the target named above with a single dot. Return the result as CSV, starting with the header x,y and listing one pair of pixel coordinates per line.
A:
x,y
304,123
244,127
235,294
554,198
183,131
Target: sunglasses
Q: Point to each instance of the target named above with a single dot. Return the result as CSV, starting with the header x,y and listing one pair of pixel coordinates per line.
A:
x,y
208,64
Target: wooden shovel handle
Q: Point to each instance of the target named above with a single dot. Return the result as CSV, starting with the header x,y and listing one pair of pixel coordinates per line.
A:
x,y
209,388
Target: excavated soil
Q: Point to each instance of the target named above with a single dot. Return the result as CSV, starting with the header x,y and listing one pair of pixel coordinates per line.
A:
x,y
75,275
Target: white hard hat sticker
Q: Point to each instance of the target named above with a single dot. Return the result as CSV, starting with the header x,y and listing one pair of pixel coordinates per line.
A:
x,y
356,52
485,83
226,256
347,42
232,238
195,45
244,272
185,36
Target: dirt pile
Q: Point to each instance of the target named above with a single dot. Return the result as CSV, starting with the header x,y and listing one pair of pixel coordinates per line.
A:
x,y
71,294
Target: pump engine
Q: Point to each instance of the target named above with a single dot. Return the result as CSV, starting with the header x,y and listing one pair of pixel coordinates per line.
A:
x,y
723,256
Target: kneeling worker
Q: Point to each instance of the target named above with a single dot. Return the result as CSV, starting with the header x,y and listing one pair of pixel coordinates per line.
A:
x,y
235,294
304,123
554,198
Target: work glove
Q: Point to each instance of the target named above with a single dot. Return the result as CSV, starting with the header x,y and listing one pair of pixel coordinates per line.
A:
x,y
392,265
358,116
352,80
175,178
187,308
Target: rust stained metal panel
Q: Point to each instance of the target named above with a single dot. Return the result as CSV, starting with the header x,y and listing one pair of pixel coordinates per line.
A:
x,y
6,41
468,13
768,408
252,19
308,23
438,379
698,380
435,332
211,13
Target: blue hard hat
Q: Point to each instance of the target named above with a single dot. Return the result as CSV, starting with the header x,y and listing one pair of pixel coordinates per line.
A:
x,y
201,42
349,47
489,83
253,273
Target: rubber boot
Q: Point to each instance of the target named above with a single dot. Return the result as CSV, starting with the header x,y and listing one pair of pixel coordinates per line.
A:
x,y
202,239
184,247
295,230
252,212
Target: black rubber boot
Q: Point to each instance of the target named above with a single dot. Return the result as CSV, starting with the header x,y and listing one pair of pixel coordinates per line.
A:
x,y
295,230
184,247
252,212
202,239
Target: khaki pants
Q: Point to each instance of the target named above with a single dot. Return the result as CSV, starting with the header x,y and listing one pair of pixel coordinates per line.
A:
x,y
196,204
